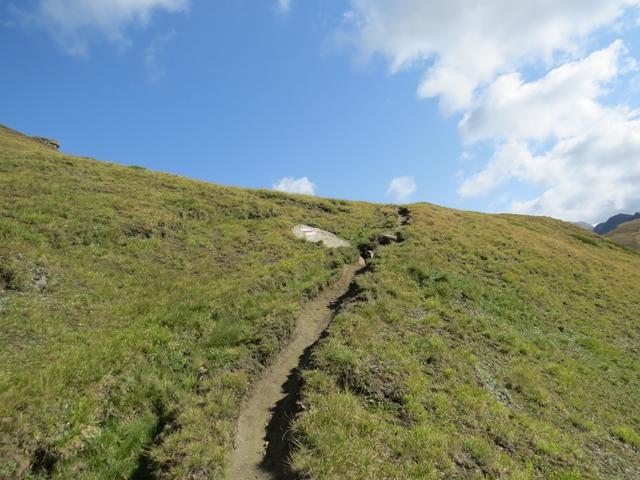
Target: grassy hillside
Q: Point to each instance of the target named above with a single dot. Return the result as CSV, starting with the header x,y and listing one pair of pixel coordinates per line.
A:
x,y
481,347
627,234
136,307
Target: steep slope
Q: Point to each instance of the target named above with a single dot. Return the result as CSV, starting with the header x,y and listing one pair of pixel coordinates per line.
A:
x,y
481,347
615,221
627,234
136,308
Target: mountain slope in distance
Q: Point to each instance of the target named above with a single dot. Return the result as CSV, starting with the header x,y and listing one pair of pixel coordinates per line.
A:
x,y
613,222
627,234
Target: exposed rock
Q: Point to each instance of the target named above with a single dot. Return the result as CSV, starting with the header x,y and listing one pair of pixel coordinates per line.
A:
x,y
388,238
312,234
54,144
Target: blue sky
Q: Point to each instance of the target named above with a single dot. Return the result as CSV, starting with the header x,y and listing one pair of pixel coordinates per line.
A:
x,y
493,108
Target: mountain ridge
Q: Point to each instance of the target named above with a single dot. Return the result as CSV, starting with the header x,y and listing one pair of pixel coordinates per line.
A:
x,y
615,221
627,234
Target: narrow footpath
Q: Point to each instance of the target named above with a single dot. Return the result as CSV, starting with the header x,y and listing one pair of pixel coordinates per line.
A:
x,y
261,443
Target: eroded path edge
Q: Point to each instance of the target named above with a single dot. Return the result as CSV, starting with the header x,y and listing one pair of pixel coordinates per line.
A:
x,y
262,446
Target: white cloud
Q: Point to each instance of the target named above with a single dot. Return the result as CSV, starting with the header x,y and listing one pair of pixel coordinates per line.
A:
x,y
592,166
589,176
295,185
401,188
506,163
76,23
561,104
153,51
559,133
284,5
469,43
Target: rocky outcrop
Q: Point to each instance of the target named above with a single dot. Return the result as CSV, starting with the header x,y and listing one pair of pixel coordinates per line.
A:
x,y
54,144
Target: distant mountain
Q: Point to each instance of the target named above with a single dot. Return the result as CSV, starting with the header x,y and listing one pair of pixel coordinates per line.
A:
x,y
613,222
627,234
584,225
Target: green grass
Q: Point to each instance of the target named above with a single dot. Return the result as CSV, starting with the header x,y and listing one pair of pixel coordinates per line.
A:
x,y
486,347
137,307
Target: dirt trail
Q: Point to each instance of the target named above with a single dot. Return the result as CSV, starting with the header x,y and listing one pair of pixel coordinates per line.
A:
x,y
261,443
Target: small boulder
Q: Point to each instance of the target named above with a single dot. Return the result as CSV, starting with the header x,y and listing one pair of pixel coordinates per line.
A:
x,y
388,238
312,234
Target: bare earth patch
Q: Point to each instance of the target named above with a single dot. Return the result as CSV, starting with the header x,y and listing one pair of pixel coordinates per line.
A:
x,y
248,460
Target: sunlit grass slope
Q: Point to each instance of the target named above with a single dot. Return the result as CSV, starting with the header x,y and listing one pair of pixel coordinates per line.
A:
x,y
627,234
135,307
483,347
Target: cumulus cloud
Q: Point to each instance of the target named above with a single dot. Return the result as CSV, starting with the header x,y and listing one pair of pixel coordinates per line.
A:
x,y
559,132
509,161
589,176
76,23
401,188
295,185
469,43
562,103
592,167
